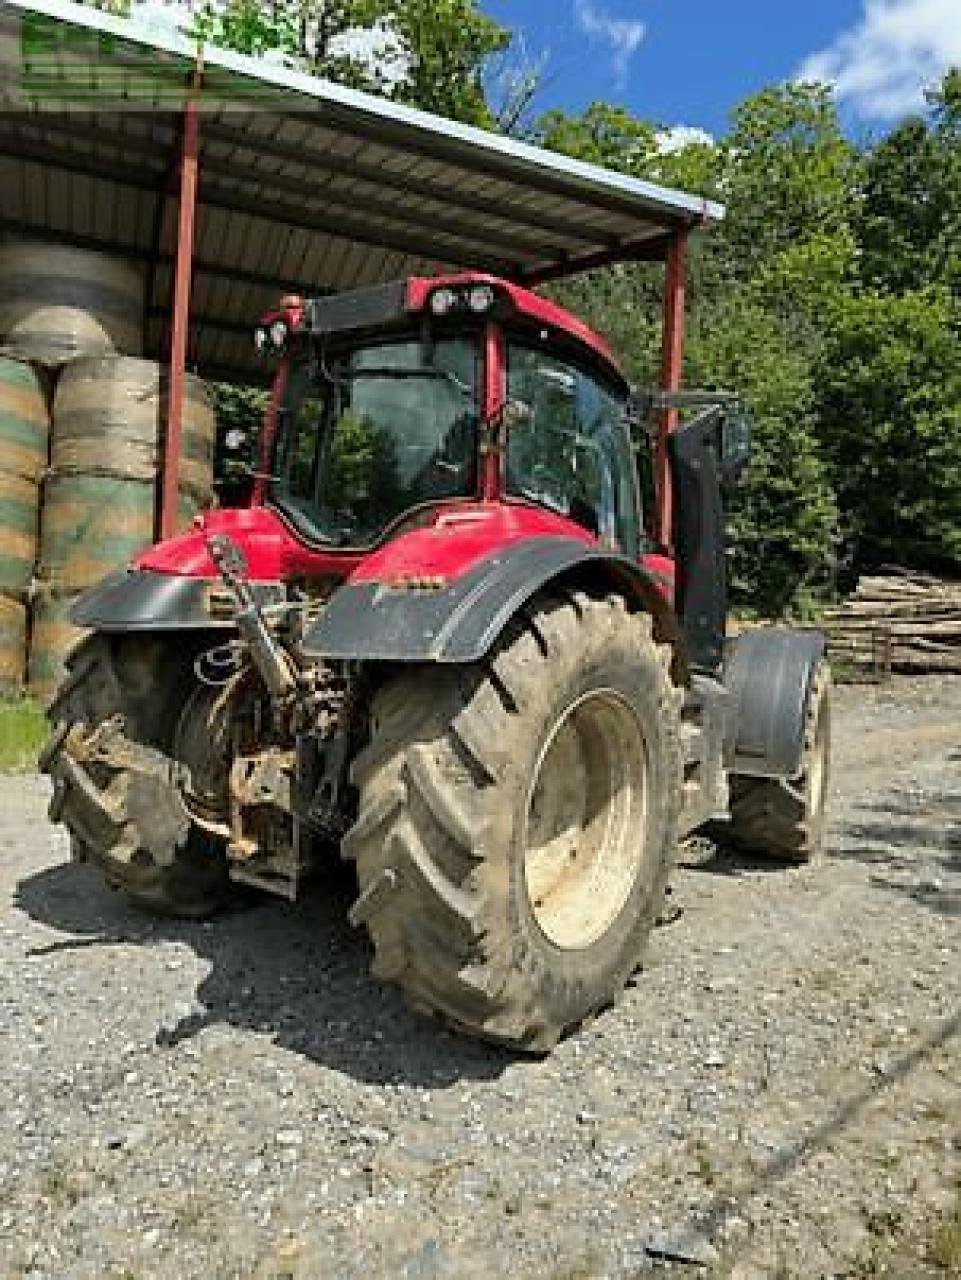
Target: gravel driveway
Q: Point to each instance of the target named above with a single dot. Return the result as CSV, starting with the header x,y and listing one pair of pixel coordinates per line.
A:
x,y
778,1094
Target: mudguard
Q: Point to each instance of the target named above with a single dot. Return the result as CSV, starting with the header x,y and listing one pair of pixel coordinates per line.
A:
x,y
139,600
429,620
768,675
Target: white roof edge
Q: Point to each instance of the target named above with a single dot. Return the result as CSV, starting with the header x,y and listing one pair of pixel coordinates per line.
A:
x,y
664,199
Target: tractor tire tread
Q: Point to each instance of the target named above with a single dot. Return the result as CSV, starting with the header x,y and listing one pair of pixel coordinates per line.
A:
x,y
430,791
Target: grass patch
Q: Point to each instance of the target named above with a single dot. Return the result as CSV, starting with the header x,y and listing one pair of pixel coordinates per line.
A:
x,y
944,1249
23,728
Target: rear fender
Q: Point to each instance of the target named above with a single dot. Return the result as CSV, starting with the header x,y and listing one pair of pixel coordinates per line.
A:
x,y
768,675
431,620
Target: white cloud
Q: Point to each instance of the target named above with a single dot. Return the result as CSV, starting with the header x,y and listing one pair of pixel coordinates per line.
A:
x,y
679,136
624,35
882,65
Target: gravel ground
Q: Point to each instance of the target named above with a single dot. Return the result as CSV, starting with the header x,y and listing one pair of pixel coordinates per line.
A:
x,y
777,1094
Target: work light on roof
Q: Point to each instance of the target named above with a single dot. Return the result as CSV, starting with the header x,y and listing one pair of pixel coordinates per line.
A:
x,y
481,298
443,301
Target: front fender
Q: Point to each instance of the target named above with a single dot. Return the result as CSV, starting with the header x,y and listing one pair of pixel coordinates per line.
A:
x,y
432,620
768,673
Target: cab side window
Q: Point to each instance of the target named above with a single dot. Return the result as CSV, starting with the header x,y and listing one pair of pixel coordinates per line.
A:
x,y
571,452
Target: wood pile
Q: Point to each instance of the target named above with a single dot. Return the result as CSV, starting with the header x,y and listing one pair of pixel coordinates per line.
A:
x,y
899,620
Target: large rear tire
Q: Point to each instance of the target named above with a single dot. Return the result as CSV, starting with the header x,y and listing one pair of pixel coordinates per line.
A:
x,y
785,817
517,822
128,815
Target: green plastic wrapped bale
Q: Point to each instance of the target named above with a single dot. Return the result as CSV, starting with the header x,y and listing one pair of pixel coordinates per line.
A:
x,y
13,646
109,418
24,420
94,524
52,637
19,503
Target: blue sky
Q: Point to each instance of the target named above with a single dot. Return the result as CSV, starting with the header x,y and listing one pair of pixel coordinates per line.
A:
x,y
687,62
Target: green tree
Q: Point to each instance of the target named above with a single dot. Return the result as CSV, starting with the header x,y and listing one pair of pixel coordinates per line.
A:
x,y
755,291
603,135
429,53
782,513
901,221
791,174
910,223
889,407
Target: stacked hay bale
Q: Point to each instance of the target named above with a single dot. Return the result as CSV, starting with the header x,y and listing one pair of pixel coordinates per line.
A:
x,y
58,303
77,315
24,429
101,494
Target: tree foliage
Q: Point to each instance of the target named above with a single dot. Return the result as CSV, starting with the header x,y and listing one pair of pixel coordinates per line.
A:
x,y
429,53
829,298
889,413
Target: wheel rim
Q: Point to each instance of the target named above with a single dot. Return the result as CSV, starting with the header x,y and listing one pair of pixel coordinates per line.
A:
x,y
586,820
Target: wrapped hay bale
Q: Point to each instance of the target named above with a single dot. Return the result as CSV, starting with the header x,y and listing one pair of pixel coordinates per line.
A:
x,y
52,638
58,303
24,427
13,646
100,501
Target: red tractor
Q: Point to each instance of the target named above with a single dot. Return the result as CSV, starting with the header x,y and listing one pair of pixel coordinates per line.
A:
x,y
440,639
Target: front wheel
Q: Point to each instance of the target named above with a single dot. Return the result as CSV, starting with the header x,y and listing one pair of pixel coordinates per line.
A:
x,y
517,821
785,817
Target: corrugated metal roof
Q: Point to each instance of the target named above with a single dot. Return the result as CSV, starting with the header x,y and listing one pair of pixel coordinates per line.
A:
x,y
304,185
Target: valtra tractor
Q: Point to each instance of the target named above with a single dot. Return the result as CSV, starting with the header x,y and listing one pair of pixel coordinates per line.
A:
x,y
440,640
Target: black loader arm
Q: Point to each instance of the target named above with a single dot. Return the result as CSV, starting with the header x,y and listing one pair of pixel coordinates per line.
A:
x,y
460,621
699,537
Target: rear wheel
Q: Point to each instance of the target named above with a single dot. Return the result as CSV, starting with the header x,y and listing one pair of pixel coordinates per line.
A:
x,y
517,822
785,817
116,785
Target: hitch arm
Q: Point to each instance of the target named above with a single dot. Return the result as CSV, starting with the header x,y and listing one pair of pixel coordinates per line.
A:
x,y
268,656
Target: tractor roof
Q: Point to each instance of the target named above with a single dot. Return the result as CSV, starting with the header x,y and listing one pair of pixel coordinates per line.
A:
x,y
381,306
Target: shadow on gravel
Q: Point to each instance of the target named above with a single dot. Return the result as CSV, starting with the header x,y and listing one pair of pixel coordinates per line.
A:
x,y
915,843
297,973
717,856
796,1152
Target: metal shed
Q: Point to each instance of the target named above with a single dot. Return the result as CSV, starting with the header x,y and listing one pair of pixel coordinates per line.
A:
x,y
232,180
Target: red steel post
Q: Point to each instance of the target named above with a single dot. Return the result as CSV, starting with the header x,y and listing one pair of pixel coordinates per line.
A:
x,y
180,316
495,392
672,360
268,435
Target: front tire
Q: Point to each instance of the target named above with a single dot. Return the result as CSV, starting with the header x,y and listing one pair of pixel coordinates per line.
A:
x,y
517,822
785,817
131,820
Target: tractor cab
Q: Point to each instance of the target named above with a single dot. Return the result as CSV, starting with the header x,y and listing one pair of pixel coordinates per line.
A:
x,y
396,402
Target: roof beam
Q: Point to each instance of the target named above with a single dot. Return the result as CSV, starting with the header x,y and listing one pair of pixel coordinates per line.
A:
x,y
201,265
489,163
87,166
350,229
387,180
286,215
340,166
421,223
652,250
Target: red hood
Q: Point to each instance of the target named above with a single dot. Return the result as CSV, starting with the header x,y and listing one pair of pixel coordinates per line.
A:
x,y
459,537
273,553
